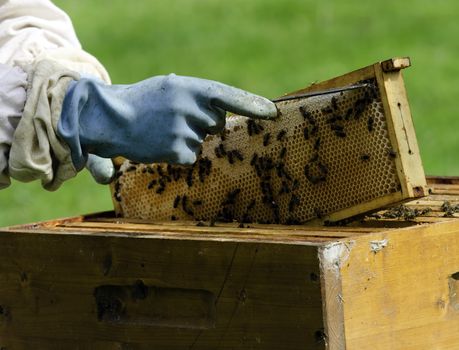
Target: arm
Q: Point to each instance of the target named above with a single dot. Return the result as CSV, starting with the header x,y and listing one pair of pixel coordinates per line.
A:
x,y
33,31
70,116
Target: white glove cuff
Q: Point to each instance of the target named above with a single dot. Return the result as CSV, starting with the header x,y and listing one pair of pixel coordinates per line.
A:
x,y
36,151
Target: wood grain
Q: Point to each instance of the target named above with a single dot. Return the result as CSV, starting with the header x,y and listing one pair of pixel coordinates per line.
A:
x,y
263,294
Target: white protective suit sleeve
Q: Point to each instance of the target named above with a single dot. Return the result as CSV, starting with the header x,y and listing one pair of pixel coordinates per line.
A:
x,y
37,39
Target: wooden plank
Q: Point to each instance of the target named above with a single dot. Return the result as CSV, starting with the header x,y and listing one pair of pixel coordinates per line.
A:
x,y
401,132
432,180
396,289
271,227
114,291
395,64
331,256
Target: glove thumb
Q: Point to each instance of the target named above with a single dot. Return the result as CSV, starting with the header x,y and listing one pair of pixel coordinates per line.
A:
x,y
101,169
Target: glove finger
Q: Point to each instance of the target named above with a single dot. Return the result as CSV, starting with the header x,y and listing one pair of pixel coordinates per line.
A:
x,y
206,120
241,102
101,169
188,143
219,116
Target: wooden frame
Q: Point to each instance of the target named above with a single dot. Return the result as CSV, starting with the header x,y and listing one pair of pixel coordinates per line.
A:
x,y
401,133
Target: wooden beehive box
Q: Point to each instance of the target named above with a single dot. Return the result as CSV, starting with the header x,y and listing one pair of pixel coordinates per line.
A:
x,y
328,157
101,282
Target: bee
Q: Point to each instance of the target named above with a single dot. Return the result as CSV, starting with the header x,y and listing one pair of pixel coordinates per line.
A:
x,y
340,133
118,197
315,179
323,168
365,157
197,202
254,159
189,178
230,157
177,174
250,127
307,115
314,130
314,158
284,188
294,201
307,173
370,123
392,154
317,144
217,152
151,184
269,164
117,186
226,215
131,168
176,201
281,135
306,133
231,197
276,212
185,206
327,110
359,107
160,189
238,155
295,185
208,165
150,170
292,221
349,114
266,139
174,218
144,170
337,127
222,149
203,168
333,118
318,213
282,153
258,169
334,103
184,201
286,174
159,169
280,169
241,225
200,223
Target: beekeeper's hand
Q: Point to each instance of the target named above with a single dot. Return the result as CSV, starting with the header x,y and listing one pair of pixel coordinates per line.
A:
x,y
161,119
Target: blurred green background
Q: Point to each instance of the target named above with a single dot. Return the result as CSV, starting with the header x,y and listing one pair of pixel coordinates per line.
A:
x,y
268,47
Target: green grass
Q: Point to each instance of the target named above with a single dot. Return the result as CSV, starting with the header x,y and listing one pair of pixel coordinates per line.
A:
x,y
268,47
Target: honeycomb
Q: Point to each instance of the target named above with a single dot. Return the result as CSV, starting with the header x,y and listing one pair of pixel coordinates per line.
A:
x,y
322,155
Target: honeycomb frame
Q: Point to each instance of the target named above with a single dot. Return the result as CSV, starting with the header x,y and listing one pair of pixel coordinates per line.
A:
x,y
327,158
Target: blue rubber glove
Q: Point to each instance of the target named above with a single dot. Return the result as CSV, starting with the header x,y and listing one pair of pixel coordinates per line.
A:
x,y
161,119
